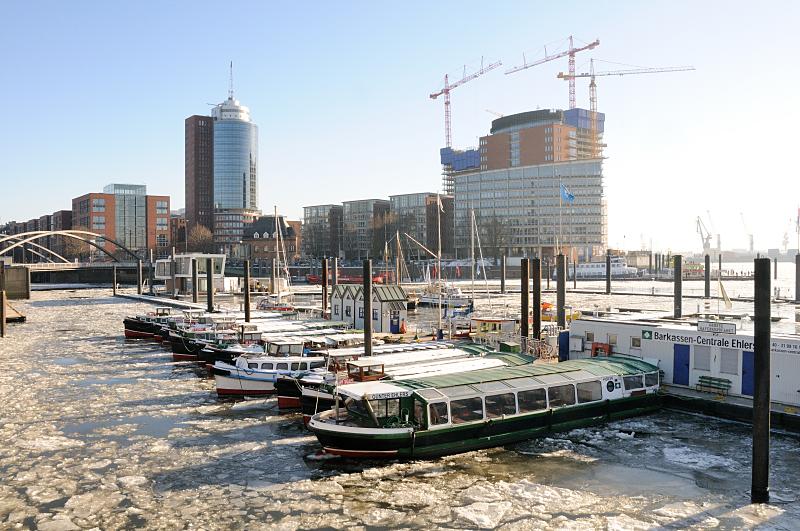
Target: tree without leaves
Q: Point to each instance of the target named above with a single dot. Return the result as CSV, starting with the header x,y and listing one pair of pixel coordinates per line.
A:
x,y
200,240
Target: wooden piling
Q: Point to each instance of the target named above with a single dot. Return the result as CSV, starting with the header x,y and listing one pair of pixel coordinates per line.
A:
x,y
677,278
247,291
608,271
2,300
707,291
139,276
195,288
561,278
335,271
114,281
797,278
367,307
209,285
776,267
524,273
536,275
759,491
503,274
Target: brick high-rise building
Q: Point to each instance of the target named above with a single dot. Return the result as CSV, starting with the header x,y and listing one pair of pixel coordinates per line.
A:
x,y
199,171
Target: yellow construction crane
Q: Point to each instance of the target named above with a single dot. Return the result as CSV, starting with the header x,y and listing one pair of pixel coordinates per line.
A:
x,y
595,152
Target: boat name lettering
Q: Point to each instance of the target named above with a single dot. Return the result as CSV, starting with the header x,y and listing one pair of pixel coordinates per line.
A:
x,y
380,396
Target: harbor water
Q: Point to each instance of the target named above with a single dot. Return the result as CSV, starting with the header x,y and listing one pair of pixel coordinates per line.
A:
x,y
100,432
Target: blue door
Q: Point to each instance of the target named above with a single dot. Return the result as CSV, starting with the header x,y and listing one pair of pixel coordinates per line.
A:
x,y
748,382
680,365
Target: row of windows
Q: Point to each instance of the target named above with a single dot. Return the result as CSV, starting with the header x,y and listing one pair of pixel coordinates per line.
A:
x,y
285,366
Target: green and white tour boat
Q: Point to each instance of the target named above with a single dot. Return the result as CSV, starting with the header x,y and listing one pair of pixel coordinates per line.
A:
x,y
448,414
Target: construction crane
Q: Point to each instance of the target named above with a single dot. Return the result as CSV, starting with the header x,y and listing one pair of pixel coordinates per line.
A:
x,y
446,92
711,222
494,113
747,232
705,235
571,76
571,64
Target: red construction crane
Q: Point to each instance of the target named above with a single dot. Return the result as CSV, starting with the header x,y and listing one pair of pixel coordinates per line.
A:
x,y
448,87
593,90
568,53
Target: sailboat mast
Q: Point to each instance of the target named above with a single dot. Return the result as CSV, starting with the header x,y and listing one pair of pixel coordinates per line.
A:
x,y
439,254
472,250
397,272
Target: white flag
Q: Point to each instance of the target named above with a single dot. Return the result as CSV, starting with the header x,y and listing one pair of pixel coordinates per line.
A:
x,y
439,202
724,295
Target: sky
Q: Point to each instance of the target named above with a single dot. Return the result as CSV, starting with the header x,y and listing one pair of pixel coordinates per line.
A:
x,y
97,92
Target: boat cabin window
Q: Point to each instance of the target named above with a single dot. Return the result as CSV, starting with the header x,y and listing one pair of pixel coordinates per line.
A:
x,y
633,382
437,414
499,405
589,392
385,408
561,395
252,365
282,366
317,364
651,379
419,413
296,366
589,337
267,366
532,400
466,410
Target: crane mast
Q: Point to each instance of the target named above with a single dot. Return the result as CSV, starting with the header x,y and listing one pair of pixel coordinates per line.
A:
x,y
445,91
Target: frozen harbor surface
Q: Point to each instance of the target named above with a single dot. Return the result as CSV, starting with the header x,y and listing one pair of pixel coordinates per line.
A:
x,y
99,432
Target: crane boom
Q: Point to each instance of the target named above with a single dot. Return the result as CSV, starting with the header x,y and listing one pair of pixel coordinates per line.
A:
x,y
655,70
446,92
570,53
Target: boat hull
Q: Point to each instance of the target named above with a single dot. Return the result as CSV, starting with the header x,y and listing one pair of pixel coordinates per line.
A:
x,y
393,443
230,384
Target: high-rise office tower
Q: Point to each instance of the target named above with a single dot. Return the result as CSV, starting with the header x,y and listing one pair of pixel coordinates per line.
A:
x,y
199,172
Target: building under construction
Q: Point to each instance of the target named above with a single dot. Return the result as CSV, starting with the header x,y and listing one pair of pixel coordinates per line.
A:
x,y
535,185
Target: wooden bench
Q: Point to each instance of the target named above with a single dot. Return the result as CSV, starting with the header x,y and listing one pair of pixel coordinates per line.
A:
x,y
713,385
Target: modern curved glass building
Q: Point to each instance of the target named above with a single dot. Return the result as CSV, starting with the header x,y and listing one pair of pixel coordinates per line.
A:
x,y
235,171
235,157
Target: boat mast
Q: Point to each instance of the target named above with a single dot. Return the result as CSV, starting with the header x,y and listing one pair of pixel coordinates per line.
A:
x,y
472,250
397,271
439,241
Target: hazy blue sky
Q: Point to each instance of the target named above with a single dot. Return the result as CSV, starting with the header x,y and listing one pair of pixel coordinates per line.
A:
x,y
97,92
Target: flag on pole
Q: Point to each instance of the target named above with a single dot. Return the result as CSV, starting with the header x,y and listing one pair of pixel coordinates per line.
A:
x,y
439,202
566,195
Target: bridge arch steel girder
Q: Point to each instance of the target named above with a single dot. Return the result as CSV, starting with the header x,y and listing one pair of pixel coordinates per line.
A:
x,y
64,260
35,235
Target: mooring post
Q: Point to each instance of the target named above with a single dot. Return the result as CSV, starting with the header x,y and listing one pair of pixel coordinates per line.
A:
x,y
2,300
247,291
324,288
719,265
759,491
27,283
797,277
776,268
209,285
114,281
367,307
561,278
677,277
608,271
139,276
503,274
707,292
525,286
650,263
335,271
549,272
194,280
173,273
272,279
574,274
536,275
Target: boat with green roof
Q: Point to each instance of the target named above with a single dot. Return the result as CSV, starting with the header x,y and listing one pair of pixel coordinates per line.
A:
x,y
453,413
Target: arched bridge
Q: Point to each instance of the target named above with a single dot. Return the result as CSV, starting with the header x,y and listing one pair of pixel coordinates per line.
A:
x,y
53,260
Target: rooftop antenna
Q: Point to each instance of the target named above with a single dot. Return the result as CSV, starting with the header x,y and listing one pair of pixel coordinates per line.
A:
x,y
230,88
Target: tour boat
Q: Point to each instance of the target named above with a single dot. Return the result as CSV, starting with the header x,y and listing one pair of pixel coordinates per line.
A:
x,y
597,270
428,417
256,376
451,295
